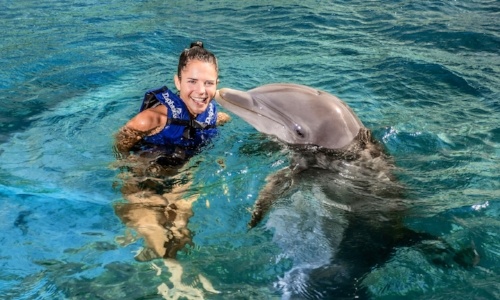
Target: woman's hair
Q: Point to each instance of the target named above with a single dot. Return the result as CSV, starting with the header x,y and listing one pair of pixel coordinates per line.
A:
x,y
196,51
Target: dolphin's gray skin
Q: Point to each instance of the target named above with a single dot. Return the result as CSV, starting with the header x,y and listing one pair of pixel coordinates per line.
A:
x,y
359,206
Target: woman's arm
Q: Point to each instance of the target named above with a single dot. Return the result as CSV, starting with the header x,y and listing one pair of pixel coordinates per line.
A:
x,y
144,123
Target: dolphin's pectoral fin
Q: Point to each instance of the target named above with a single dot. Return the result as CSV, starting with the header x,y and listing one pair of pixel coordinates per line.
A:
x,y
436,249
467,257
276,185
439,252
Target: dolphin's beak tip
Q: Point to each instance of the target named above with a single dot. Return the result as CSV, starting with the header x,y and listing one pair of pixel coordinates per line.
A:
x,y
221,94
218,95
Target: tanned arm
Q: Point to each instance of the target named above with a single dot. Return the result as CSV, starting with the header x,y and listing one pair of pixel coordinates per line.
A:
x,y
126,138
145,123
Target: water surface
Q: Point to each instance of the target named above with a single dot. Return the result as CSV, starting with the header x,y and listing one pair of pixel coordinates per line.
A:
x,y
423,76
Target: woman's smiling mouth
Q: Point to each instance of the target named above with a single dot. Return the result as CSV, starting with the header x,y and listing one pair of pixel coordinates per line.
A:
x,y
199,100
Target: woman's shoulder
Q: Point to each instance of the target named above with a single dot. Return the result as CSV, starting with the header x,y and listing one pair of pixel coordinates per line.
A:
x,y
149,119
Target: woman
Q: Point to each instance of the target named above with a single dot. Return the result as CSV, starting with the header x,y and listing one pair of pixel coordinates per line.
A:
x,y
177,125
168,130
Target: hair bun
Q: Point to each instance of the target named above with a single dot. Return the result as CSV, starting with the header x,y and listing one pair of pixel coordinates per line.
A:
x,y
196,44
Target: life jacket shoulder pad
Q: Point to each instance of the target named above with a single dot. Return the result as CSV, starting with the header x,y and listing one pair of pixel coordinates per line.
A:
x,y
150,99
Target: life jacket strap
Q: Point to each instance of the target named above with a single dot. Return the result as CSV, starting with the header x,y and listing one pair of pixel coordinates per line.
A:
x,y
191,126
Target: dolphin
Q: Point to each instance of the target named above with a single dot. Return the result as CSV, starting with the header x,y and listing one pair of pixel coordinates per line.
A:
x,y
337,164
320,127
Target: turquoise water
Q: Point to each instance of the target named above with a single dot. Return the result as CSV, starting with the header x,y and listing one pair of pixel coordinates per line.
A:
x,y
423,75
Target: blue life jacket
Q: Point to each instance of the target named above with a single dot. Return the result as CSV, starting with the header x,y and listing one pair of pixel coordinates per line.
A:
x,y
180,130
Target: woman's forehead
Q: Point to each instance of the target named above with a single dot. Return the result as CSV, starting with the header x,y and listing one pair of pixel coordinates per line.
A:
x,y
196,64
200,70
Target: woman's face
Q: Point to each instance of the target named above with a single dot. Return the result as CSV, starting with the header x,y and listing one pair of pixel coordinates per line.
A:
x,y
197,85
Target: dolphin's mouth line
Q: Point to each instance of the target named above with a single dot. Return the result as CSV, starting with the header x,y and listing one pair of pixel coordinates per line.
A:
x,y
257,113
293,126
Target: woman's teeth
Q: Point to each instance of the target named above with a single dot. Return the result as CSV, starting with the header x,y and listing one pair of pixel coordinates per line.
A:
x,y
198,100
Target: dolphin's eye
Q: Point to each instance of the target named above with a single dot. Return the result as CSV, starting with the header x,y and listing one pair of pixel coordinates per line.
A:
x,y
298,131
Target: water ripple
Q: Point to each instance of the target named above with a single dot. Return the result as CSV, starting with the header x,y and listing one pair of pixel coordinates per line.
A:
x,y
422,74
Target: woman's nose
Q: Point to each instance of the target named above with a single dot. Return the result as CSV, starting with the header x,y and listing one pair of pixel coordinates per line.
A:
x,y
200,88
